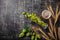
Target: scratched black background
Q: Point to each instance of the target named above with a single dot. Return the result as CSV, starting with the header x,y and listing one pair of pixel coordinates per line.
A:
x,y
11,19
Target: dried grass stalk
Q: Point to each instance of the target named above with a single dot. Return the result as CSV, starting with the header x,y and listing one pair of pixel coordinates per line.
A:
x,y
53,26
55,32
51,33
56,18
49,7
57,14
50,24
43,33
45,37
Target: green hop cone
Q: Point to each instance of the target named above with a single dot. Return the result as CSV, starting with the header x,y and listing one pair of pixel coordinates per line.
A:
x,y
32,37
24,30
23,13
35,38
21,34
28,34
38,36
33,33
29,15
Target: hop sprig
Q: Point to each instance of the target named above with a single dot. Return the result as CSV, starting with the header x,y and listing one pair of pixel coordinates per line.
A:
x,y
34,18
26,31
29,33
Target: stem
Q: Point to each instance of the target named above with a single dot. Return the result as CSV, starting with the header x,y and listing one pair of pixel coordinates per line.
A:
x,y
43,33
45,37
50,25
49,7
57,14
51,34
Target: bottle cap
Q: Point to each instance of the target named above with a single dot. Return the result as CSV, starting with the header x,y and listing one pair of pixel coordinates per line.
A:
x,y
46,14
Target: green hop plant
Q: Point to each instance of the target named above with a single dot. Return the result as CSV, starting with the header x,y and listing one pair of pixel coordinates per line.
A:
x,y
28,32
34,18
